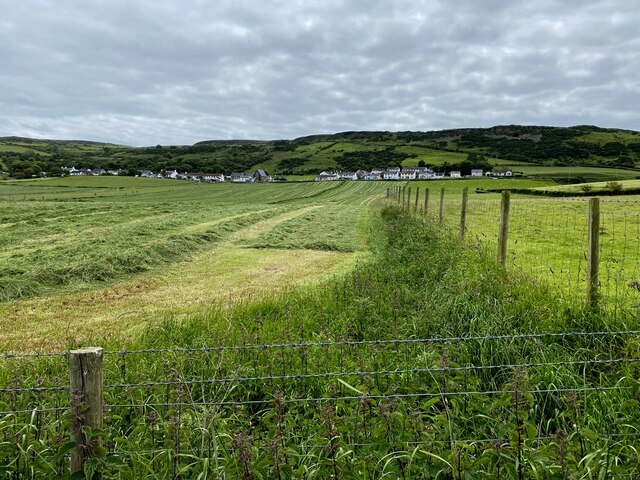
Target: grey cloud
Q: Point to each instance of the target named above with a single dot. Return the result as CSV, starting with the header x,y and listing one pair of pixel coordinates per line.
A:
x,y
178,72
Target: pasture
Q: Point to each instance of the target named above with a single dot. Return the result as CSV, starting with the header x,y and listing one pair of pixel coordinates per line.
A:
x,y
98,256
313,330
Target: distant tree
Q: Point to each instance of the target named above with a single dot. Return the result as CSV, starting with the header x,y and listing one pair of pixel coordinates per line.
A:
x,y
422,163
614,186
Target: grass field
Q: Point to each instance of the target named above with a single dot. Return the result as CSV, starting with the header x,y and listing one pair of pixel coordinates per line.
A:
x,y
548,237
592,186
425,361
90,256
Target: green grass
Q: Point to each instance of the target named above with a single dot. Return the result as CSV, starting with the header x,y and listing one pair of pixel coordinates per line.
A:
x,y
589,174
74,233
591,187
559,417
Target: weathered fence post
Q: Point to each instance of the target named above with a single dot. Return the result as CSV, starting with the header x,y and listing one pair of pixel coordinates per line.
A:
x,y
415,205
593,260
388,192
404,195
503,232
463,212
441,217
408,198
86,381
426,201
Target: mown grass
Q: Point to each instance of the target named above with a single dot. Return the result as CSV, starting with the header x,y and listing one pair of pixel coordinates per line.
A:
x,y
397,410
92,231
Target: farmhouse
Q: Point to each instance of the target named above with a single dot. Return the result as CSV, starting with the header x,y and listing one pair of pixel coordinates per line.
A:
x,y
261,176
212,177
408,174
327,176
455,174
391,174
241,177
500,173
372,176
476,172
348,176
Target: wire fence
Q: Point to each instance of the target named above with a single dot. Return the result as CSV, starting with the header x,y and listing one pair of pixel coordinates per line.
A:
x,y
548,239
565,401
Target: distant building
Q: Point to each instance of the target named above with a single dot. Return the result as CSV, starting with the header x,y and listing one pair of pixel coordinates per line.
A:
x,y
455,174
500,173
476,172
261,176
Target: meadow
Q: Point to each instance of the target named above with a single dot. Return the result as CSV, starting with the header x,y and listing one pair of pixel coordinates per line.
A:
x,y
410,355
67,242
548,236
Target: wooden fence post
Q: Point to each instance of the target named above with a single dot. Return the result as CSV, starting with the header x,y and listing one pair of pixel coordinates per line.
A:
x,y
404,195
86,381
408,198
463,212
426,201
593,260
415,205
503,232
441,218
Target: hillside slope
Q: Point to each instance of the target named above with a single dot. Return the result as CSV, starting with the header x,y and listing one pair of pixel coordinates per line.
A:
x,y
501,145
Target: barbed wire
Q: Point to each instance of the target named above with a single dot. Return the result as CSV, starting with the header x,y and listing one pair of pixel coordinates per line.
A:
x,y
367,372
373,342
368,397
35,410
33,355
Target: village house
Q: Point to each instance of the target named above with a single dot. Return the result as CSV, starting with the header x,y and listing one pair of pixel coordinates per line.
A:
x,y
391,174
500,173
372,176
327,176
212,177
408,173
348,176
455,174
476,172
240,177
261,176
173,174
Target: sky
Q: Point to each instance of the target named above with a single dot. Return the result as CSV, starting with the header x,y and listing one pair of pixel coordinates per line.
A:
x,y
142,72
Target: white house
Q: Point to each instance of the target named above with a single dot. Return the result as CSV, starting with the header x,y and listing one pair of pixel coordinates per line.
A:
x,y
372,176
476,172
324,176
455,174
212,177
390,174
426,175
348,176
500,173
408,174
237,177
171,174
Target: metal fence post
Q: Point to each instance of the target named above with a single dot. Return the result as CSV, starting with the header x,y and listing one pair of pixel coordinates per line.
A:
x,y
503,232
593,260
86,381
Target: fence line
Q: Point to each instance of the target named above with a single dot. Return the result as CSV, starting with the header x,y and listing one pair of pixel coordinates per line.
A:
x,y
338,343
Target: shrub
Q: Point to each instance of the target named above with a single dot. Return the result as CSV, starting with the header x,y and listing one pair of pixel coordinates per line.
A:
x,y
614,186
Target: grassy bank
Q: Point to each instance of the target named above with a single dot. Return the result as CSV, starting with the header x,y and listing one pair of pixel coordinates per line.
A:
x,y
344,383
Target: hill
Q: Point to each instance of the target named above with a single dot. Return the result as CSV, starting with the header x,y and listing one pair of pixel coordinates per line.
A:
x,y
513,145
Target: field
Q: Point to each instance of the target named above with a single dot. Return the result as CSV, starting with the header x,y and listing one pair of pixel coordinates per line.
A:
x,y
116,248
548,236
315,330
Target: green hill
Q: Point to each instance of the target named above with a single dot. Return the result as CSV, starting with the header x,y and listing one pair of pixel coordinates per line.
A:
x,y
510,145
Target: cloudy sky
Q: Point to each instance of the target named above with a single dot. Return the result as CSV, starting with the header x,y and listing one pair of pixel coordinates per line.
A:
x,y
143,72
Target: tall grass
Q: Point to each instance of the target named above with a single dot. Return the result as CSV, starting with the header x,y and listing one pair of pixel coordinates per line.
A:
x,y
514,407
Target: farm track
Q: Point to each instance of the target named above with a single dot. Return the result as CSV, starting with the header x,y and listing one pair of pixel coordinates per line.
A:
x,y
220,277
